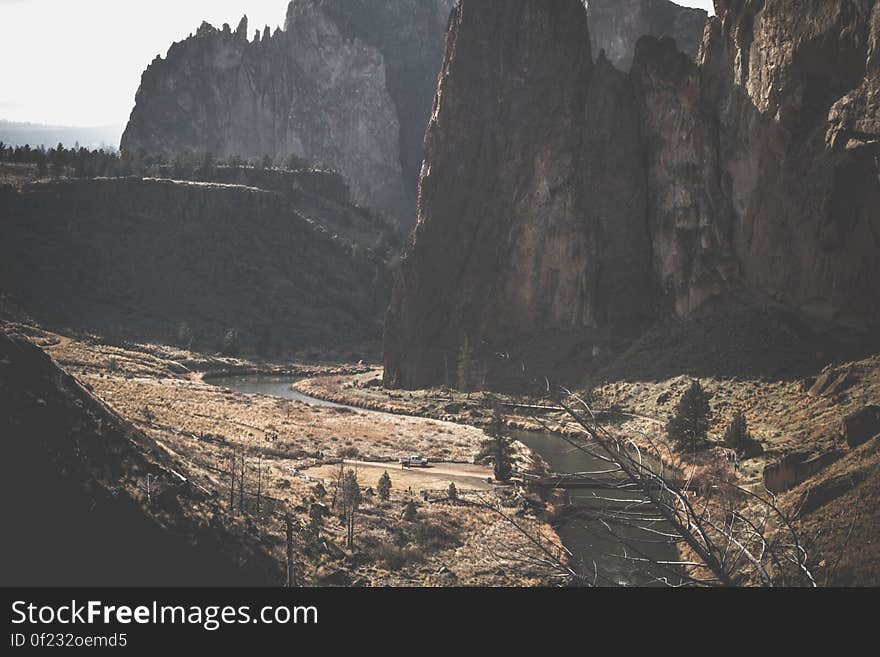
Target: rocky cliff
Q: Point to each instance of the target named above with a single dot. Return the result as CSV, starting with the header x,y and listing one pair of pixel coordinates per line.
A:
x,y
139,259
584,203
346,83
616,26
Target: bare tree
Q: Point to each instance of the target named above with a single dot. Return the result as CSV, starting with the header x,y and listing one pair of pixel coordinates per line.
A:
x,y
289,569
232,482
727,534
732,535
259,481
243,462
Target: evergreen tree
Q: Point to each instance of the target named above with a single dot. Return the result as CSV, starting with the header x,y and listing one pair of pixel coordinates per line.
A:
x,y
351,501
452,491
42,167
294,163
498,449
185,336
410,514
384,487
209,164
231,344
689,426
737,433
738,438
316,520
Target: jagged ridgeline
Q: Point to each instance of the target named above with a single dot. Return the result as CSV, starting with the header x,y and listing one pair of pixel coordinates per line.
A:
x,y
565,204
347,84
616,25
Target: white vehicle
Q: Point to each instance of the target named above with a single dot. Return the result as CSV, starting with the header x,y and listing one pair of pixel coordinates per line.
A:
x,y
414,462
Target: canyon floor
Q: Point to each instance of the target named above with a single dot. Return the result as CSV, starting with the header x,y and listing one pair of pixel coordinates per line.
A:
x,y
800,396
289,446
829,488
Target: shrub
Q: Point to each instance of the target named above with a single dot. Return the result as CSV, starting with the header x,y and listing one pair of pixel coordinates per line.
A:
x,y
434,536
410,513
452,491
395,557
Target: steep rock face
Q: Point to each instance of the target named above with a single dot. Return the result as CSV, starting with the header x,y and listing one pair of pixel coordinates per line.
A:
x,y
340,85
687,217
137,258
616,26
410,35
512,225
756,167
791,85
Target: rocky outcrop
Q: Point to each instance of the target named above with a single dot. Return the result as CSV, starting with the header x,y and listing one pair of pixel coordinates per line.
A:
x,y
500,208
138,259
616,26
594,201
796,468
803,195
347,84
687,217
860,427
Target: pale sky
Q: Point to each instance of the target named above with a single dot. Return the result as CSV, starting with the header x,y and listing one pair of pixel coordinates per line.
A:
x,y
79,62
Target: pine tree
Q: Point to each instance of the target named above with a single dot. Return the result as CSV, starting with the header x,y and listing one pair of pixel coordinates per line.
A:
x,y
294,162
42,166
452,491
185,336
230,346
410,514
209,163
688,427
737,433
384,487
498,449
738,438
316,520
351,501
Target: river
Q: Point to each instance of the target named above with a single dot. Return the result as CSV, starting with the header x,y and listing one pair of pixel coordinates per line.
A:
x,y
589,541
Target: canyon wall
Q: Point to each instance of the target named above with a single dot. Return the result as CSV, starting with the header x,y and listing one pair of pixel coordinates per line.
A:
x,y
137,259
346,83
616,26
587,201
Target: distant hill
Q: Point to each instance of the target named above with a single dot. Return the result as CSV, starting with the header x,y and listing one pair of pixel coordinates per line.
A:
x,y
36,134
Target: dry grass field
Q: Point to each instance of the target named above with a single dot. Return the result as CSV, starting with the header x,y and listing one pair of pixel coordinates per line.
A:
x,y
287,445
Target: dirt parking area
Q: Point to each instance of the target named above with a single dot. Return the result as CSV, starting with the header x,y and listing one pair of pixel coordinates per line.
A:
x,y
436,477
